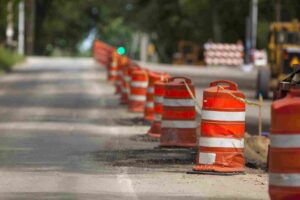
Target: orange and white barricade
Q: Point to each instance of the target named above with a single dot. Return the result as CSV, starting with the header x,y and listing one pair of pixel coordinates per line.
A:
x,y
224,54
178,126
149,106
138,90
284,153
221,143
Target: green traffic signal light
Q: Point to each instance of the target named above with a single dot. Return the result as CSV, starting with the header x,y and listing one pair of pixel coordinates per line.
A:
x,y
121,50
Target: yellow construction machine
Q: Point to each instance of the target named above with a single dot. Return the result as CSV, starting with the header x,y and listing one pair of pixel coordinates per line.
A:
x,y
188,53
283,53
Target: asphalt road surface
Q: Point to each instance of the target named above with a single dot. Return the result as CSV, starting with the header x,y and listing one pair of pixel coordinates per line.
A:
x,y
63,135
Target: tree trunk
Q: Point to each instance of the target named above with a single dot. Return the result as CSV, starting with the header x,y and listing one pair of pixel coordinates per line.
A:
x,y
30,27
216,27
10,25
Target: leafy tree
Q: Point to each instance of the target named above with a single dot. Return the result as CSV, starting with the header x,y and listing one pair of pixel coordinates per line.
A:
x,y
62,24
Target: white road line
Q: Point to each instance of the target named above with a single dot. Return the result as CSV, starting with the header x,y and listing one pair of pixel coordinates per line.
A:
x,y
125,184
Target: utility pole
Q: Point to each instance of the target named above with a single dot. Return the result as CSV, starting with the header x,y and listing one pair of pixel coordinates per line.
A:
x,y
30,26
277,10
21,28
254,14
217,32
143,47
10,25
248,41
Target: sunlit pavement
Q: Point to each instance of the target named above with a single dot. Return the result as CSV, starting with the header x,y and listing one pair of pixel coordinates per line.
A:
x,y
64,136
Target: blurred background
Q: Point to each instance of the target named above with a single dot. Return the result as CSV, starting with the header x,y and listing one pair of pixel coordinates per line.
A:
x,y
67,28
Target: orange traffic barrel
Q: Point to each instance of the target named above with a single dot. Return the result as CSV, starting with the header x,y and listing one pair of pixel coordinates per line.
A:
x,y
118,82
178,127
221,143
159,91
149,106
138,90
284,153
113,68
122,62
109,53
125,85
99,52
102,52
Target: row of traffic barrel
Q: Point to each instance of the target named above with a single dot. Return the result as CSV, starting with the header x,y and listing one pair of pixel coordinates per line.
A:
x,y
217,131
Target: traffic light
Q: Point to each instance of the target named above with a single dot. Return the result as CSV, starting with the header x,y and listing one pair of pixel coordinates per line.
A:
x,y
121,50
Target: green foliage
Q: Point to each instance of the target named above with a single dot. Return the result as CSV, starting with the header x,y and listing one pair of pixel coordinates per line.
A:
x,y
3,14
197,21
8,59
61,25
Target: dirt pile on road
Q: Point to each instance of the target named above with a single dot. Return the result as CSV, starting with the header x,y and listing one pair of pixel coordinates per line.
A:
x,y
256,151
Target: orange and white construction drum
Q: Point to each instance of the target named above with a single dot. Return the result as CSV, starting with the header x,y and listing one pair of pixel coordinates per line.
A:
x,y
99,52
102,52
122,73
221,143
138,90
96,49
178,127
112,72
125,86
109,53
159,91
284,152
149,106
122,63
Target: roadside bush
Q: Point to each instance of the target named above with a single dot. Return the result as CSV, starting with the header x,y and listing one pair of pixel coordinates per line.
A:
x,y
8,59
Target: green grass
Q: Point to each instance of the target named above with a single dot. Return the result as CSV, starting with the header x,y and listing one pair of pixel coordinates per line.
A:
x,y
8,59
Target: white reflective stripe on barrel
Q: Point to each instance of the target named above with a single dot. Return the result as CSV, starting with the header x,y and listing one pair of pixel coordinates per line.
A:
x,y
221,142
125,90
178,124
285,140
120,73
158,99
150,104
141,84
178,102
223,116
284,179
157,117
207,158
150,90
113,73
127,78
137,97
